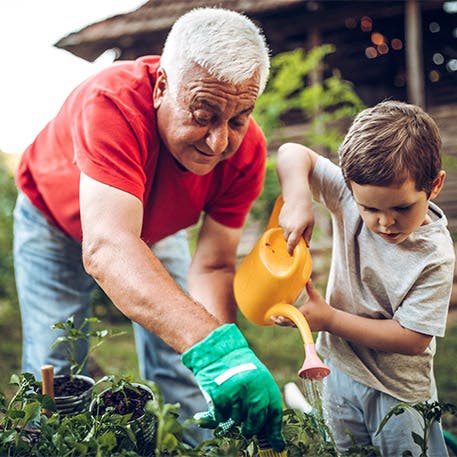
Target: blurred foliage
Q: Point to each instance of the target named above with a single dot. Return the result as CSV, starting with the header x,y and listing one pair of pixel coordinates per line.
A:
x,y
8,195
328,106
324,104
449,162
10,327
263,206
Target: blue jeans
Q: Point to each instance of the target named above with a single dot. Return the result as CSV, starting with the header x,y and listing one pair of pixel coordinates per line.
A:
x,y
53,285
358,409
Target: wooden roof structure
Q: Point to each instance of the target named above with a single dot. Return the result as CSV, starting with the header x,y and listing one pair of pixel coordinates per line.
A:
x,y
289,24
145,28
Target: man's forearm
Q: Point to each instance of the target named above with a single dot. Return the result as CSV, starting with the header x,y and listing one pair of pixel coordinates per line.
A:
x,y
214,289
144,291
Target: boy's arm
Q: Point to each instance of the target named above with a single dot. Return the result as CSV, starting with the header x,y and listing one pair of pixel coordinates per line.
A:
x,y
385,335
295,164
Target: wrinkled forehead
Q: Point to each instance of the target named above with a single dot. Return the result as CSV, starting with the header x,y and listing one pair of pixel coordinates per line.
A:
x,y
199,88
193,75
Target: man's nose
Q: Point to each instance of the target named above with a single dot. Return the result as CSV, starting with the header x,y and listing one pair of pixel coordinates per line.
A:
x,y
217,138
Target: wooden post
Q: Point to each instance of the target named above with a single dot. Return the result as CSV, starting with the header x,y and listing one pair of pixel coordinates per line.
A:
x,y
414,53
47,378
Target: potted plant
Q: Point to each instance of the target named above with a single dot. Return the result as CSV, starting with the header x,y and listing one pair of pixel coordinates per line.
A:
x,y
129,400
72,393
109,434
18,413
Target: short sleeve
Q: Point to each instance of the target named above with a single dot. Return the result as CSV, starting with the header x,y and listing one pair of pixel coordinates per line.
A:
x,y
425,307
106,145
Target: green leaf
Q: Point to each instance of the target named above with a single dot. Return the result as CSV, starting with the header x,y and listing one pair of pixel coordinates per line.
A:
x,y
15,414
417,439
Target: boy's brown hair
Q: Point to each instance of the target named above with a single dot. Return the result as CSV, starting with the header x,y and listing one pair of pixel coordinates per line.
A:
x,y
389,143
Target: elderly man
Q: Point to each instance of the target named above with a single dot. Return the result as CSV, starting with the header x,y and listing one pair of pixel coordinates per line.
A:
x,y
135,155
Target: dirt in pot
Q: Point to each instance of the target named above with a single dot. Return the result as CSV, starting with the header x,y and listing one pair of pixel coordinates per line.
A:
x,y
65,386
128,401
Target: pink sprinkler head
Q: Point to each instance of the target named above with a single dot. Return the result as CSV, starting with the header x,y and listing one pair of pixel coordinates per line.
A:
x,y
313,368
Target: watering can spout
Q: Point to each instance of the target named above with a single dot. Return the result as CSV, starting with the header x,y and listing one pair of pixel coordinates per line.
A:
x,y
313,368
268,282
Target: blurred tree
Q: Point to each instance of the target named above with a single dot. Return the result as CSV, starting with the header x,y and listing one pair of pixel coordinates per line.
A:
x,y
326,104
263,206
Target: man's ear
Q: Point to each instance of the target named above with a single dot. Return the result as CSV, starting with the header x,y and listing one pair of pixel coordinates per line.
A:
x,y
160,87
437,184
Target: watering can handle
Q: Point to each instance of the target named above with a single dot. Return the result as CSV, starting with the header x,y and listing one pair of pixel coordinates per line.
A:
x,y
273,222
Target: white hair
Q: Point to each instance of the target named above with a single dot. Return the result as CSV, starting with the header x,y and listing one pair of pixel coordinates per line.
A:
x,y
225,43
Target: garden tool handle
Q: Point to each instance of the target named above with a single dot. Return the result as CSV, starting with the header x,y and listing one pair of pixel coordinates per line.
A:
x,y
47,378
47,381
290,311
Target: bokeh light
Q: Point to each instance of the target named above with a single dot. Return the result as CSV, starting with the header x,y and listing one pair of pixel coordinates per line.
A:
x,y
438,58
434,76
452,65
371,52
378,38
350,22
366,24
383,48
434,27
396,44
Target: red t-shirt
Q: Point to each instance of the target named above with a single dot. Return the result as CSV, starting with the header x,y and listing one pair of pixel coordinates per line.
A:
x,y
107,129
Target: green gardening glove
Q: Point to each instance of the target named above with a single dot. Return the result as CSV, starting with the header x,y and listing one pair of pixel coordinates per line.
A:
x,y
236,385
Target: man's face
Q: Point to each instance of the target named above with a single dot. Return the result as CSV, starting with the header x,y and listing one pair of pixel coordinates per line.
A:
x,y
392,212
203,121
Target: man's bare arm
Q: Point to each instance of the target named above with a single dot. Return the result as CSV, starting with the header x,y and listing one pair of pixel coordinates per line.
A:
x,y
127,270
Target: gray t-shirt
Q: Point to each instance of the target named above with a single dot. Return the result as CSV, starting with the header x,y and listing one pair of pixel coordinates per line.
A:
x,y
410,282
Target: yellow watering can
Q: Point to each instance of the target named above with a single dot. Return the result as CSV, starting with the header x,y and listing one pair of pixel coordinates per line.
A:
x,y
269,280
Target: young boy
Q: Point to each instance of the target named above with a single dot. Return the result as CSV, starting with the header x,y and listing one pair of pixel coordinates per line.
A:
x,y
391,273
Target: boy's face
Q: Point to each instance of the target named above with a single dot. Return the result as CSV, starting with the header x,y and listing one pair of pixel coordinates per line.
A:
x,y
394,212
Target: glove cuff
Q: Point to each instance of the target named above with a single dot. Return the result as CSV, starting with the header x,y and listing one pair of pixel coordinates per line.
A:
x,y
216,345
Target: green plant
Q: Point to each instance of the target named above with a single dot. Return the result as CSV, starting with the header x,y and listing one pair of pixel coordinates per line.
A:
x,y
325,104
24,408
328,105
84,333
428,414
8,193
110,434
262,207
80,435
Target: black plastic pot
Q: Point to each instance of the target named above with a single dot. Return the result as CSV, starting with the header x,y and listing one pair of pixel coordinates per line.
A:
x,y
142,425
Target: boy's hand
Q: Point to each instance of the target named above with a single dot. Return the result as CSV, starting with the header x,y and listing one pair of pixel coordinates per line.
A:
x,y
316,310
296,220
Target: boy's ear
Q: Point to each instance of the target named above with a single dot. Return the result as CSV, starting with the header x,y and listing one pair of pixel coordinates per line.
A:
x,y
437,184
